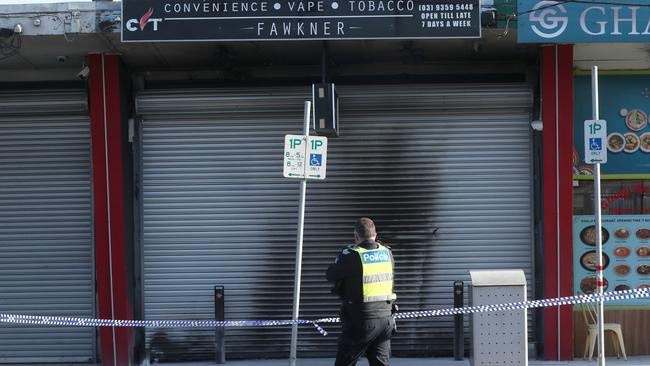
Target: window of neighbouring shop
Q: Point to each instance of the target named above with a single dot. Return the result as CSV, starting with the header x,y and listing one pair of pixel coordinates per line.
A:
x,y
625,203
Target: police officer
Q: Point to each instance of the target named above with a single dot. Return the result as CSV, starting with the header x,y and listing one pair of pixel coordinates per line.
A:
x,y
363,277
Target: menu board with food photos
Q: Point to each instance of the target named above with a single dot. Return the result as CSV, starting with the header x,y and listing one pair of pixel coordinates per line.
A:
x,y
624,102
626,255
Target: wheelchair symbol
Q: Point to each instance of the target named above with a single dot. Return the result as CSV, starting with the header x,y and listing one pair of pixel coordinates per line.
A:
x,y
315,159
595,143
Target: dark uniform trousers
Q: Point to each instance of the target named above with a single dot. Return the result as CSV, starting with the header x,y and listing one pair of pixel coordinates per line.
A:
x,y
365,336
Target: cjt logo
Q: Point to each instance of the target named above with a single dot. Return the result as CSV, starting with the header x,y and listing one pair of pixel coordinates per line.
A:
x,y
549,23
132,24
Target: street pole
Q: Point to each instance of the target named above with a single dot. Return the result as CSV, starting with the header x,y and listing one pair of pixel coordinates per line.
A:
x,y
298,269
600,284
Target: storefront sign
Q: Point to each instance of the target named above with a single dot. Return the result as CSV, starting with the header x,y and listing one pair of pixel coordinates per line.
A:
x,y
545,21
626,254
625,104
260,20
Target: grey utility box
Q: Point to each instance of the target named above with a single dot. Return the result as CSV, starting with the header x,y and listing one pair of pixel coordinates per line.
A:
x,y
498,337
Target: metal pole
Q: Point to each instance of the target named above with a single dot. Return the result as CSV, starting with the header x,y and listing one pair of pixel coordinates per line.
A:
x,y
599,239
301,223
324,59
459,336
219,314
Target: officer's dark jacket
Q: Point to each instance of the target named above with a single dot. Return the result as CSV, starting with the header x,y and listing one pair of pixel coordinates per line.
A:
x,y
348,271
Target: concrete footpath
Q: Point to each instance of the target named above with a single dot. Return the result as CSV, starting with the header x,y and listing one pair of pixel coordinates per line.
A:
x,y
610,361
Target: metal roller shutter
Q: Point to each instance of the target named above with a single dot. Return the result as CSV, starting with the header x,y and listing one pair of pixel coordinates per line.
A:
x,y
443,169
46,258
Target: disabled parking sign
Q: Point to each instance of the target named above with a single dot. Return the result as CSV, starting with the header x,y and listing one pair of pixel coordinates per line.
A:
x,y
317,153
595,141
315,159
305,156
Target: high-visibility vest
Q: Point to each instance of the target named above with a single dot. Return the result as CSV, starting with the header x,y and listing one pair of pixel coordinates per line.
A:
x,y
377,273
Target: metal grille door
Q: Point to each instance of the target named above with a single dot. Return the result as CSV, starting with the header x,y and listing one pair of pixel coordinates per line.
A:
x,y
46,261
444,170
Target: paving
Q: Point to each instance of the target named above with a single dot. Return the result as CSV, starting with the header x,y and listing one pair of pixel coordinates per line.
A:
x,y
610,361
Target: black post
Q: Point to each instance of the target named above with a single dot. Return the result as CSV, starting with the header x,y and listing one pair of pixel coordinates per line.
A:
x,y
324,62
459,336
219,315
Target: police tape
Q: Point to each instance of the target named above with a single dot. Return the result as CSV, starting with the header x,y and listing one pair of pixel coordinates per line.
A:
x,y
88,322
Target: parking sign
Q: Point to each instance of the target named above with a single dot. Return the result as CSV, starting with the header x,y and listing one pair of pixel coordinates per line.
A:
x,y
595,141
305,156
315,167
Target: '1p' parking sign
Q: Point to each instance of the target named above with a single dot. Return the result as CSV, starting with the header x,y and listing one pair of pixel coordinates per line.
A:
x,y
305,156
595,141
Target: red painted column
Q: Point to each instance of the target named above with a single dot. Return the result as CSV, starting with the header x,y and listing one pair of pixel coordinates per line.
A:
x,y
557,116
104,84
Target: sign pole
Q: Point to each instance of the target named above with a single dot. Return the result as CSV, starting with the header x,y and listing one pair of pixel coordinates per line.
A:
x,y
599,240
298,269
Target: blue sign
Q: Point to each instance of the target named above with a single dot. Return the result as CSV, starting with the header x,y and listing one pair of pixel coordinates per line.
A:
x,y
624,104
589,21
315,159
626,255
595,144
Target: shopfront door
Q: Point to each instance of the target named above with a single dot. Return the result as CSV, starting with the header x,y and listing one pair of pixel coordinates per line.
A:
x,y
444,170
46,252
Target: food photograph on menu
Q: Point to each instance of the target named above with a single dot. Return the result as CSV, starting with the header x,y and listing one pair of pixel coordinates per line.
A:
x,y
626,254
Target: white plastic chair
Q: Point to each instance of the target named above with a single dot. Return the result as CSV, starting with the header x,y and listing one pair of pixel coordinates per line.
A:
x,y
589,315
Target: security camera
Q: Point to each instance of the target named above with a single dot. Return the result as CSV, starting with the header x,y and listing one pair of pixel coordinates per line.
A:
x,y
83,74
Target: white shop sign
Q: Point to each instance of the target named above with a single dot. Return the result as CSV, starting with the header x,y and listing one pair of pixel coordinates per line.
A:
x,y
595,141
305,156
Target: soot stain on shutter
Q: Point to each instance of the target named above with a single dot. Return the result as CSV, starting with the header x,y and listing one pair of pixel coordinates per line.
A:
x,y
189,348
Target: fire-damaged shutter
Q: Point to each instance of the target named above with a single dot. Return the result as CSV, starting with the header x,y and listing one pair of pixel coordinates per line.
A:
x,y
46,253
444,170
